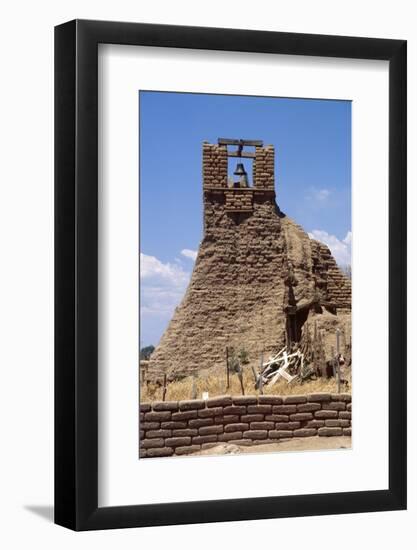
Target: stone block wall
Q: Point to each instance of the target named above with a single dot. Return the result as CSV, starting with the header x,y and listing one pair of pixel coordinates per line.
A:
x,y
175,428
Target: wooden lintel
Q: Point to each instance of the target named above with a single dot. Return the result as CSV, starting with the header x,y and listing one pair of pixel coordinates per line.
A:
x,y
248,142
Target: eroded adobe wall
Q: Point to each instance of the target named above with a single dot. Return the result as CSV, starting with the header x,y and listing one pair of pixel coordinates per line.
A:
x,y
334,285
183,427
237,292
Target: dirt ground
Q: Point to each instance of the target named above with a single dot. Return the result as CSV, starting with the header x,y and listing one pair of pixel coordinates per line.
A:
x,y
294,444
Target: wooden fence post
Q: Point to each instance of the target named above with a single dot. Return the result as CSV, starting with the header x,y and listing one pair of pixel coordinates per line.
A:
x,y
240,376
261,382
227,369
337,359
164,391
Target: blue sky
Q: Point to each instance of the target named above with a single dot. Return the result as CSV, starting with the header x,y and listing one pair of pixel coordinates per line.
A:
x,y
312,140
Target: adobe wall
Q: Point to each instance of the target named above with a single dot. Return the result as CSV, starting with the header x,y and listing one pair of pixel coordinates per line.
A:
x,y
174,428
238,292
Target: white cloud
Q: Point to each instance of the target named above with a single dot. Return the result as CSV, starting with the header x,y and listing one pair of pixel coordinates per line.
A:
x,y
161,290
151,267
341,249
318,195
192,254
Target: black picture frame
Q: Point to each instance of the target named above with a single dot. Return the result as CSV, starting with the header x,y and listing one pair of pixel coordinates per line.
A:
x,y
76,272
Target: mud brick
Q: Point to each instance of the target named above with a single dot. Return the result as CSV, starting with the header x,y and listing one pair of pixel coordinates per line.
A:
x,y
284,409
332,423
252,418
325,414
238,427
319,397
244,442
158,416
315,424
230,418
142,433
200,439
230,436
244,400
152,443
309,407
189,449
277,418
301,416
166,406
330,431
287,425
222,401
265,409
177,441
256,434
199,422
149,425
279,434
345,414
141,417
208,445
185,432
305,432
160,451
145,407
192,405
234,409
158,433
262,425
291,399
334,406
214,411
142,453
346,397
349,406
269,400
347,431
173,425
345,423
210,430
184,415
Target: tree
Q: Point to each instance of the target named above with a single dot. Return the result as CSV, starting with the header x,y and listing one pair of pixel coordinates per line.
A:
x,y
146,352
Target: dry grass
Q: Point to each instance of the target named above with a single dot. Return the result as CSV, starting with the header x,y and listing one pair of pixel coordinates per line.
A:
x,y
215,384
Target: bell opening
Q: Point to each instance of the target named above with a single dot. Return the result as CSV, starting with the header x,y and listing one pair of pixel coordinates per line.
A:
x,y
240,172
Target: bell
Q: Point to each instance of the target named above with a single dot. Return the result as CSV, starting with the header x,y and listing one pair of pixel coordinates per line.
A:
x,y
240,170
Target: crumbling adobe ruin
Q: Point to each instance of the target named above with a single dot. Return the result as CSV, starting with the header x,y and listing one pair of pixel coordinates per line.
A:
x,y
259,281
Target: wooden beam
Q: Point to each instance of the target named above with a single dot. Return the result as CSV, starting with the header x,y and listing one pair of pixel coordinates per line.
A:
x,y
248,142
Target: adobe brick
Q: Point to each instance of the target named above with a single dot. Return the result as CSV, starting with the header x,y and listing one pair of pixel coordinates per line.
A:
x,y
210,430
158,416
325,414
166,406
294,399
192,404
329,431
265,409
177,441
256,434
284,409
